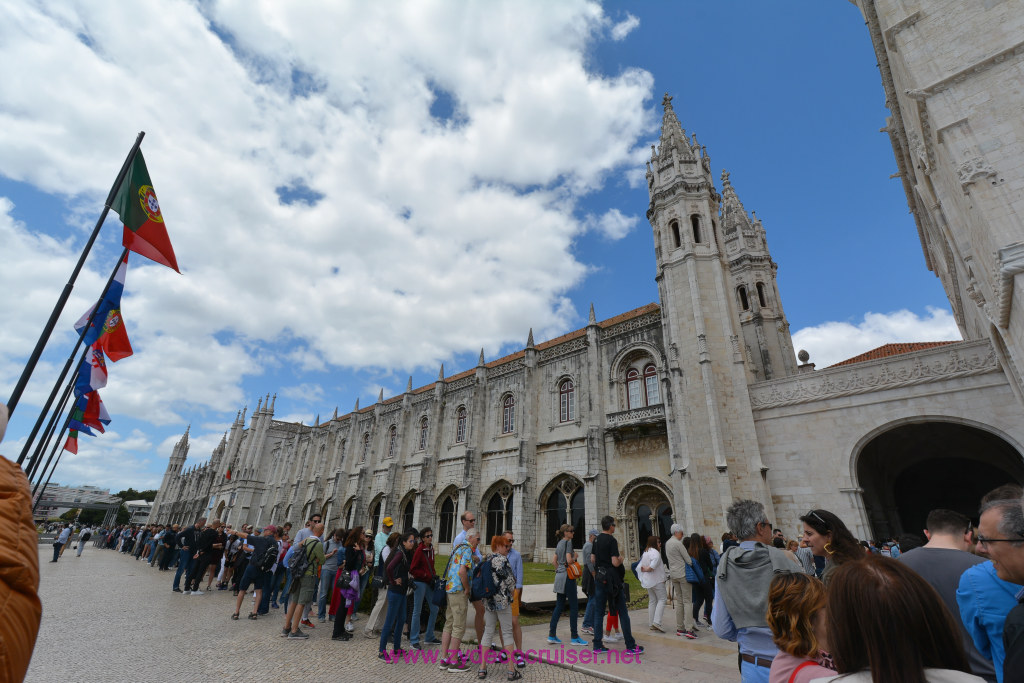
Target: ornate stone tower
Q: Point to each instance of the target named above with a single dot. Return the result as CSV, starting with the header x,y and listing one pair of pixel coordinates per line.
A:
x,y
765,330
713,446
175,464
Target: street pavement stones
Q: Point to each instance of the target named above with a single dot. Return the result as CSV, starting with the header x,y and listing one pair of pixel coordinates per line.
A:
x,y
108,618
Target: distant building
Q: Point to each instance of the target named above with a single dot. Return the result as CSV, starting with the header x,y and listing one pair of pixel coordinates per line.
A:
x,y
57,499
138,511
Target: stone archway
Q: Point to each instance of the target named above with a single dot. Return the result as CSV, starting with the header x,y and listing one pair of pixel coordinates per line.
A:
x,y
645,509
915,467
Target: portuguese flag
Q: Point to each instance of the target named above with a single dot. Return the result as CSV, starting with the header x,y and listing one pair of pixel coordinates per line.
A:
x,y
136,204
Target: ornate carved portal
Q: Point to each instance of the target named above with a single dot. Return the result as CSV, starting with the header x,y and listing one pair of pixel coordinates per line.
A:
x,y
645,511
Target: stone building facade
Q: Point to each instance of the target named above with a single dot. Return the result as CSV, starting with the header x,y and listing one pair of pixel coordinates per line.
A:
x,y
663,414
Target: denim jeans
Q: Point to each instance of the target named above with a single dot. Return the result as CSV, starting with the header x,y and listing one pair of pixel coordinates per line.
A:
x,y
277,582
751,673
184,566
56,550
287,591
326,586
422,591
588,613
394,621
568,596
602,598
264,605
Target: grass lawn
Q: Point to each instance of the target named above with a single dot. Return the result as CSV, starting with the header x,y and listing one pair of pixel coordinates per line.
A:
x,y
544,573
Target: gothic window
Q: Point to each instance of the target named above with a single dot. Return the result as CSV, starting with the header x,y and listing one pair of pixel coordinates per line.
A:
x,y
392,441
761,298
341,452
407,515
566,401
633,389
447,525
675,233
499,512
744,302
375,516
508,414
564,505
460,425
651,385
423,434
366,447
695,224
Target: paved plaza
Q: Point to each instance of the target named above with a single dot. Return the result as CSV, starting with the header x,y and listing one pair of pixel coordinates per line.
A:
x,y
108,618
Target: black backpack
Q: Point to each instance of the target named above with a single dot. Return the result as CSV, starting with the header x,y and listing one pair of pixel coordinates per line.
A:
x,y
300,560
265,561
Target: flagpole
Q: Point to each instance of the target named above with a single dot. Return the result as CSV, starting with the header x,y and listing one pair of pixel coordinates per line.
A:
x,y
44,440
70,360
47,465
30,366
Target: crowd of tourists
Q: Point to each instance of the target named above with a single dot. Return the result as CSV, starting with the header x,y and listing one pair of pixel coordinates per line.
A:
x,y
943,608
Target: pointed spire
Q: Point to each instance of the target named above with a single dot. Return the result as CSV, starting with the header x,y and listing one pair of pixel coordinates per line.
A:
x,y
529,340
408,387
480,363
259,404
672,133
273,402
335,413
734,216
238,418
356,409
440,375
380,396
592,320
317,422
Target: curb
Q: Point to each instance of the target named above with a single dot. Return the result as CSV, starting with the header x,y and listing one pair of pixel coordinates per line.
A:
x,y
604,675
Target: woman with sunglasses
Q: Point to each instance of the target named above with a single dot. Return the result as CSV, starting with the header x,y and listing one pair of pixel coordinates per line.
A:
x,y
827,536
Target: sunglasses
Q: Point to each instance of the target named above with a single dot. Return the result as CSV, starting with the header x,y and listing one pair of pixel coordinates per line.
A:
x,y
814,514
429,536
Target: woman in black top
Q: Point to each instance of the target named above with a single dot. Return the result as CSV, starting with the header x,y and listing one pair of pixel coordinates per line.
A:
x,y
703,593
345,599
396,577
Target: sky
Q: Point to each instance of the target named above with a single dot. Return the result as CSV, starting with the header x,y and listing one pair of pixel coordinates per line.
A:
x,y
360,192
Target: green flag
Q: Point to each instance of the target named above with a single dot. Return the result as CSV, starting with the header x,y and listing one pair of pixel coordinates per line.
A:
x,y
136,204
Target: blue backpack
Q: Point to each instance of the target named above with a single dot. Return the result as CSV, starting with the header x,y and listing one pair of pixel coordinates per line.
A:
x,y
483,585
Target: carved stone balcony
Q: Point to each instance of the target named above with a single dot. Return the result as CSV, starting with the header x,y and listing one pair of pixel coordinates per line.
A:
x,y
638,422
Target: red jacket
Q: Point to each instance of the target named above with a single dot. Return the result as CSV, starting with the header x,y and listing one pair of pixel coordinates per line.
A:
x,y
422,568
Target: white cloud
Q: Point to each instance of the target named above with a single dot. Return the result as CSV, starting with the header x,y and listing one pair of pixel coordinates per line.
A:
x,y
435,235
832,342
624,27
614,224
309,393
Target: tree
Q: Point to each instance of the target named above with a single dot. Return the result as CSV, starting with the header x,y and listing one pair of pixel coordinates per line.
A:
x,y
70,515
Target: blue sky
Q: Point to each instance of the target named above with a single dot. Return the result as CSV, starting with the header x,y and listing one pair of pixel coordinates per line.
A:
x,y
357,195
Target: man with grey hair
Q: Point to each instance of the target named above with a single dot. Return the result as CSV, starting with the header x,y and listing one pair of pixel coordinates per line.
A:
x,y
744,574
1001,539
678,559
457,579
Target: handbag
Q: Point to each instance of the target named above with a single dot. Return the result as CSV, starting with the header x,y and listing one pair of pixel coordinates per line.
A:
x,y
694,573
440,595
573,570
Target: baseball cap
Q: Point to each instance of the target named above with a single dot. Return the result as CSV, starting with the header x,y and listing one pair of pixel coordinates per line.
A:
x,y
270,527
388,521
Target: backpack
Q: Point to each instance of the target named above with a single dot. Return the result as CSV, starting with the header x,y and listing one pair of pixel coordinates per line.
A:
x,y
265,561
300,561
483,585
86,536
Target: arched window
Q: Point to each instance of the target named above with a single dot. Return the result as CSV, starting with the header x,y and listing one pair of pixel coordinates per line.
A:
x,y
375,517
392,441
508,414
761,298
460,425
695,224
341,454
499,512
744,302
565,505
566,401
675,233
445,528
651,385
423,434
366,447
407,516
634,390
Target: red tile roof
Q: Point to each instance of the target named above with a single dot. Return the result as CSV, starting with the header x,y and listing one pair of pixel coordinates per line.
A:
x,y
891,350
